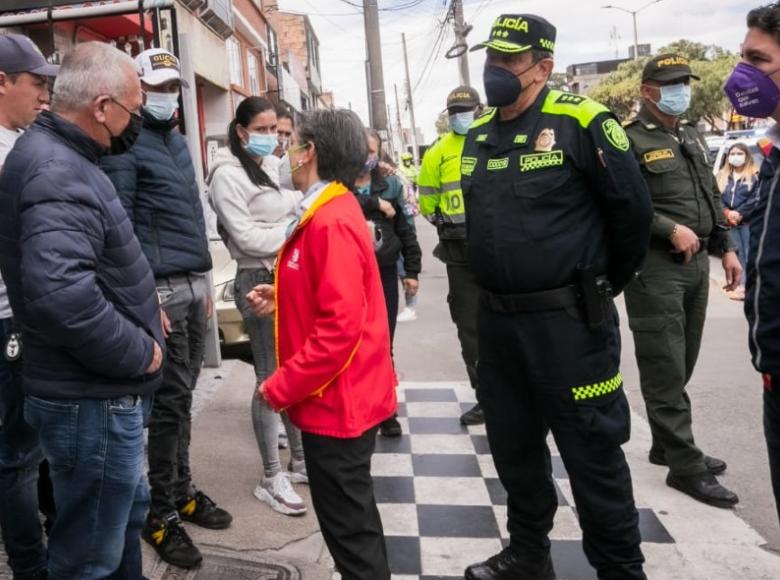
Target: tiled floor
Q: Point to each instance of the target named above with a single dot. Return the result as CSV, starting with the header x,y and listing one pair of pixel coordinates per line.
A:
x,y
442,504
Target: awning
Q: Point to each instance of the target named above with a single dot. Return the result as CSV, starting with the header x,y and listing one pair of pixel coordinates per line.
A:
x,y
37,12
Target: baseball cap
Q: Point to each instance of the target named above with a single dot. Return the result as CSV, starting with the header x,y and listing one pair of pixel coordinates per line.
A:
x,y
157,66
514,33
667,67
463,97
19,54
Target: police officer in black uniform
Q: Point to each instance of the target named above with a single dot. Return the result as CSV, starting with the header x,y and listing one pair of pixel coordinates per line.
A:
x,y
558,221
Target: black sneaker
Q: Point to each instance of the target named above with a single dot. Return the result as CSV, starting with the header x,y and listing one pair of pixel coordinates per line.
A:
x,y
474,416
390,427
201,510
171,541
509,565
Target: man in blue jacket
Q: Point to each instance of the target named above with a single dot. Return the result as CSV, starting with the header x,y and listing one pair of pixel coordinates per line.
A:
x,y
84,297
754,90
157,185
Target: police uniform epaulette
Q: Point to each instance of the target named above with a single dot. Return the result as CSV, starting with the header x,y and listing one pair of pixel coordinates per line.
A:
x,y
484,118
579,107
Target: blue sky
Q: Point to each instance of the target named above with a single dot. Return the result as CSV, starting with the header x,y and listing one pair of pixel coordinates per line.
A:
x,y
584,34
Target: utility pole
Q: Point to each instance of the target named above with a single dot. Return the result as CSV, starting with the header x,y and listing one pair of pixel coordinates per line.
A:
x,y
461,30
633,14
376,84
410,103
401,139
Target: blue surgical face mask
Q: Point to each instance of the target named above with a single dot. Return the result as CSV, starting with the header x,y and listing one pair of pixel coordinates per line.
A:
x,y
261,145
161,106
675,99
364,189
460,122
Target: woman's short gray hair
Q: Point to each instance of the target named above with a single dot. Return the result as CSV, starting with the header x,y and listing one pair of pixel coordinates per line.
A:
x,y
340,140
89,70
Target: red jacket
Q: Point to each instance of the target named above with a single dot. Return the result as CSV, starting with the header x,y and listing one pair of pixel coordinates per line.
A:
x,y
335,376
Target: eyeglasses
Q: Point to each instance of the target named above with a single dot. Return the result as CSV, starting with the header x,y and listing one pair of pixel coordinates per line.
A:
x,y
136,113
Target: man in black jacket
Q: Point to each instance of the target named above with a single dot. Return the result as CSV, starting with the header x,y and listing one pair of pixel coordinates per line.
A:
x,y
157,185
84,297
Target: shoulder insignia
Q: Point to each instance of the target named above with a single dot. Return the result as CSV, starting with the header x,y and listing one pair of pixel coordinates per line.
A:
x,y
521,139
484,118
584,109
570,99
657,155
481,138
616,135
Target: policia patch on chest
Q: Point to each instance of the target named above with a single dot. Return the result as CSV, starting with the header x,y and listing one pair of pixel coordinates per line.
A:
x,y
535,161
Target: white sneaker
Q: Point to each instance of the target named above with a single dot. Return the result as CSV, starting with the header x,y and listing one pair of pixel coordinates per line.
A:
x,y
278,493
406,315
297,471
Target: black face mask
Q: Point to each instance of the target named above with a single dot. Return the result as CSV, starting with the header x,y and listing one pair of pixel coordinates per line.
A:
x,y
502,86
123,142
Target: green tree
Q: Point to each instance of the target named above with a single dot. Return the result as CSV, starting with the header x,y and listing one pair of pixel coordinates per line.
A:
x,y
620,89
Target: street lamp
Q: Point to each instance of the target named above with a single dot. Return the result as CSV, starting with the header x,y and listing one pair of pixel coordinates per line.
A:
x,y
633,13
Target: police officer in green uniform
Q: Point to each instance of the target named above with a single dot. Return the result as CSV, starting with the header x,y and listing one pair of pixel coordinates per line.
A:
x,y
558,221
667,303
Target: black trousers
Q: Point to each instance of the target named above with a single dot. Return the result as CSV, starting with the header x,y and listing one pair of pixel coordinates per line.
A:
x,y
342,493
772,432
463,300
547,371
389,276
170,423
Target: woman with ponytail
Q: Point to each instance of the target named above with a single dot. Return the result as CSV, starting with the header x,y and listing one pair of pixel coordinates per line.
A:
x,y
254,214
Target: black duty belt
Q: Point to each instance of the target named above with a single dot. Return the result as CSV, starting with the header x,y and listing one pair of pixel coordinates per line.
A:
x,y
533,301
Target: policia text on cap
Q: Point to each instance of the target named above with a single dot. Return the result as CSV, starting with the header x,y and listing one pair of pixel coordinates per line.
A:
x,y
558,221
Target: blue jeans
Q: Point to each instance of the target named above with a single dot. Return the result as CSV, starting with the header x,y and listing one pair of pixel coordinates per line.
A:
x,y
20,456
740,235
95,450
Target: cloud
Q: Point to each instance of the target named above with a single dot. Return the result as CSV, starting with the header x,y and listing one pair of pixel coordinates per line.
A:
x,y
583,35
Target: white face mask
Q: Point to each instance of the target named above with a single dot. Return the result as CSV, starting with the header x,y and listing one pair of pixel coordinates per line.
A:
x,y
161,106
736,160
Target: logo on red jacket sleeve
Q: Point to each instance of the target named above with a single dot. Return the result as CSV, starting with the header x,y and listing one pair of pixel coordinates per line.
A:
x,y
295,260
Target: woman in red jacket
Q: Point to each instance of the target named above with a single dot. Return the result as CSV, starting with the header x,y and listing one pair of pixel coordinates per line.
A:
x,y
335,376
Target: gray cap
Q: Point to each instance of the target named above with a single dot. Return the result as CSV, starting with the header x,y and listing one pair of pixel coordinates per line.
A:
x,y
19,54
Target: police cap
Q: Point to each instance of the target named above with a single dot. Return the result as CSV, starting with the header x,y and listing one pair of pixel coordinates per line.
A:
x,y
463,98
515,33
667,67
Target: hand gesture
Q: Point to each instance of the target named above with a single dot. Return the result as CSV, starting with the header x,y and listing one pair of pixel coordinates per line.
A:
x,y
411,286
261,299
387,208
686,242
157,358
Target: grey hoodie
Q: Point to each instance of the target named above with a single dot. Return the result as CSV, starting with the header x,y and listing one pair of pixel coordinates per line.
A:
x,y
255,218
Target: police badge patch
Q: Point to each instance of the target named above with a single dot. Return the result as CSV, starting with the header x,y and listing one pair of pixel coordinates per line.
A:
x,y
616,135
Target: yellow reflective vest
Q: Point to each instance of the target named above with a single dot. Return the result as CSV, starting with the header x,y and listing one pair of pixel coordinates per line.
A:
x,y
441,199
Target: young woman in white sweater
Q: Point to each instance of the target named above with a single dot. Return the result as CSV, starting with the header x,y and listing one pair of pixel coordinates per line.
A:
x,y
254,213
